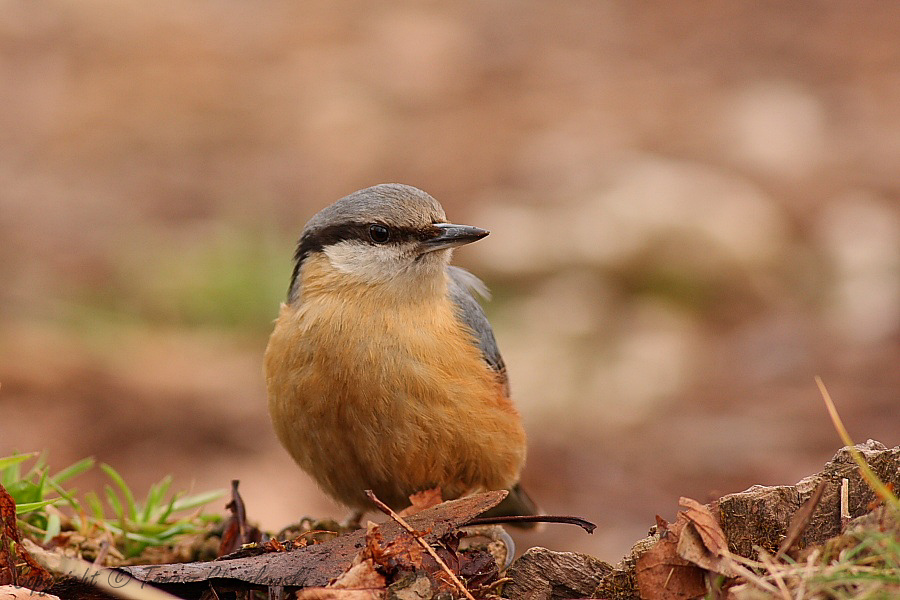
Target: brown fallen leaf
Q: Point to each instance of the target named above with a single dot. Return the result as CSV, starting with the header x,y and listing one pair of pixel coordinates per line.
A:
x,y
706,524
360,582
237,531
403,552
662,574
316,565
478,568
421,501
662,526
406,570
690,547
416,535
702,540
17,567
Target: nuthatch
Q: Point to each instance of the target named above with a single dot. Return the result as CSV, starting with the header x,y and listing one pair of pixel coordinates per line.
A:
x,y
382,371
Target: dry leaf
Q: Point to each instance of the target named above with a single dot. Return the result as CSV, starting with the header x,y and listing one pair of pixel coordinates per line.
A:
x,y
17,567
359,582
317,564
662,526
706,524
414,589
237,531
690,547
422,500
401,553
662,574
702,541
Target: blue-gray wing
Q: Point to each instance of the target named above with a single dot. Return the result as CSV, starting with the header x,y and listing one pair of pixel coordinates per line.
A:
x,y
462,284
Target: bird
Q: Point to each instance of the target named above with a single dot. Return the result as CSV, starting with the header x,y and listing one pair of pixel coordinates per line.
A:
x,y
382,371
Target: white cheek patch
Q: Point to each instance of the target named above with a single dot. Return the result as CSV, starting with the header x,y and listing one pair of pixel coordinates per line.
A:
x,y
365,261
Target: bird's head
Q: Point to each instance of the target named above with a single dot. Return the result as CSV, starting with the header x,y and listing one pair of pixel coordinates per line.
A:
x,y
386,235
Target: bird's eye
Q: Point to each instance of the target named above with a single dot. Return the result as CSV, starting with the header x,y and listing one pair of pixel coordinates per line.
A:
x,y
379,233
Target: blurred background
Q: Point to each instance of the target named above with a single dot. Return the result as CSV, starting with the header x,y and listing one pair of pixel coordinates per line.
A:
x,y
694,211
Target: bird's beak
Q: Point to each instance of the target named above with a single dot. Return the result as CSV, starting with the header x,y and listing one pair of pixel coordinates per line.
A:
x,y
448,235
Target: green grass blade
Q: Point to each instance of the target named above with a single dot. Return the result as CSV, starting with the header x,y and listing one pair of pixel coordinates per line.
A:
x,y
143,539
155,497
150,502
67,495
54,527
39,466
176,530
13,472
189,502
9,461
31,506
24,491
170,508
73,470
113,500
42,485
126,491
96,505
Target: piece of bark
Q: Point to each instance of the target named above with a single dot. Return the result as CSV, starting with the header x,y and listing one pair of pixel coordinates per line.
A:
x,y
757,516
621,582
761,516
316,565
800,520
542,574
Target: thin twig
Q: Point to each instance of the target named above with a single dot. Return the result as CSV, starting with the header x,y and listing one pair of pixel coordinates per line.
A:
x,y
512,520
387,510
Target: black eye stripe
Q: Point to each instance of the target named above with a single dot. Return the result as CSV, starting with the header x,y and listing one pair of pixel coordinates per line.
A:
x,y
318,239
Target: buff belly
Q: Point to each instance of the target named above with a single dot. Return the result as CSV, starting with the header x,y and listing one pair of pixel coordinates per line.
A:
x,y
394,403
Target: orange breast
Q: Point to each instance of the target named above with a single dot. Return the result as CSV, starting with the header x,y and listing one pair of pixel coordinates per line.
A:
x,y
394,400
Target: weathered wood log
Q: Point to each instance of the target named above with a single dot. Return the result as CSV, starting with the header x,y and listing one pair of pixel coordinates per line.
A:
x,y
757,517
542,574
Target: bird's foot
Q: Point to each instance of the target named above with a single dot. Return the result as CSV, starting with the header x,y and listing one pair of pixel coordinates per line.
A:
x,y
500,544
